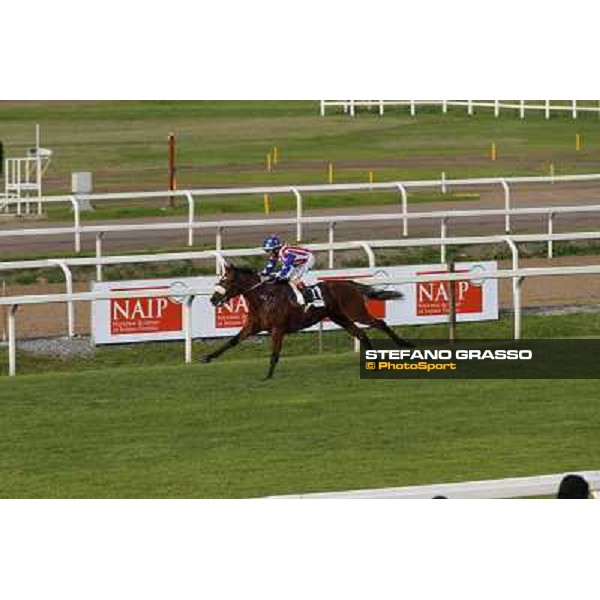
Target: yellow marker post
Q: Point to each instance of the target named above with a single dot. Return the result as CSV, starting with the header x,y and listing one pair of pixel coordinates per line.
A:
x,y
493,152
269,162
578,144
330,173
275,156
371,177
266,202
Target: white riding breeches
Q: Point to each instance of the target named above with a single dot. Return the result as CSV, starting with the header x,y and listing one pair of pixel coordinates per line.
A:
x,y
297,273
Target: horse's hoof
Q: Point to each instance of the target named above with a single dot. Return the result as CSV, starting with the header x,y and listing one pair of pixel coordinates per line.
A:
x,y
205,359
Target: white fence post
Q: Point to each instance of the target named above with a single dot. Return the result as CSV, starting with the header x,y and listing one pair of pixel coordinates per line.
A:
x,y
322,109
191,207
470,107
574,109
516,289
69,288
506,204
496,108
547,109
331,240
298,214
77,224
218,248
352,110
522,109
99,237
404,205
517,296
443,236
445,106
413,108
187,320
381,108
550,232
12,342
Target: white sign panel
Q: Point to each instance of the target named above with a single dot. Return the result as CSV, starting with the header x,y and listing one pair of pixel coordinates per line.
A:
x,y
128,320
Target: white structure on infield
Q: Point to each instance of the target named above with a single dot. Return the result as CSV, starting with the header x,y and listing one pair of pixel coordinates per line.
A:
x,y
23,178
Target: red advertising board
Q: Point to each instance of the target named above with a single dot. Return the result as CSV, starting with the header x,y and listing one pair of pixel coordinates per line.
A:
x,y
144,315
231,314
433,298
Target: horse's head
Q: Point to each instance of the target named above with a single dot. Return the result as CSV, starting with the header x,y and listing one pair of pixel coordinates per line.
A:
x,y
233,282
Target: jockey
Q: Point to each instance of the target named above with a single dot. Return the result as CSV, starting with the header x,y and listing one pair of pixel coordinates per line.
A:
x,y
296,262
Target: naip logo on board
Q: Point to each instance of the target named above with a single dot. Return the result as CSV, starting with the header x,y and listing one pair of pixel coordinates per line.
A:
x,y
231,314
433,298
143,314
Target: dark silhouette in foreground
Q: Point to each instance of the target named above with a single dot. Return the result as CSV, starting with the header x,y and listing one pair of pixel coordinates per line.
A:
x,y
573,487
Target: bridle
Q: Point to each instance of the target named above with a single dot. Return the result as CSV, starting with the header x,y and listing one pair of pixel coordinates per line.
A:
x,y
253,287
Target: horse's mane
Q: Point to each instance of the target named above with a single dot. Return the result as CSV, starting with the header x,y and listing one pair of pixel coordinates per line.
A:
x,y
244,270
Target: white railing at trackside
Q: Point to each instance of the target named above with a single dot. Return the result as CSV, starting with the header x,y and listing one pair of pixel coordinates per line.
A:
x,y
350,106
518,276
191,224
515,487
369,247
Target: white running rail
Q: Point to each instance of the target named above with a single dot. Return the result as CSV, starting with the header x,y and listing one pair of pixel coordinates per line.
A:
x,y
403,215
13,302
515,487
350,106
369,247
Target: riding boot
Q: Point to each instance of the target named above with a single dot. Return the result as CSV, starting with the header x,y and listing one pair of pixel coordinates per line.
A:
x,y
299,295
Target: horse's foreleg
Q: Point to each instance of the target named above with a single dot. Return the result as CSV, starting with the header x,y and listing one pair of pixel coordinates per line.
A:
x,y
276,343
245,332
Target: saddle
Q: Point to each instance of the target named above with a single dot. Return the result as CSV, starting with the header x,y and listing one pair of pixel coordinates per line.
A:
x,y
313,295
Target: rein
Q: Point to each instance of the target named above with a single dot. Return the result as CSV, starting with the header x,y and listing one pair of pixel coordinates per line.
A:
x,y
256,285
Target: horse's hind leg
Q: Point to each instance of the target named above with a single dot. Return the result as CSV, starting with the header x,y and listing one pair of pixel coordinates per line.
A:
x,y
276,344
383,326
351,328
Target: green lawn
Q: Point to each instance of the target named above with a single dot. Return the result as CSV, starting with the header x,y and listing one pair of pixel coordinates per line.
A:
x,y
134,422
218,431
225,143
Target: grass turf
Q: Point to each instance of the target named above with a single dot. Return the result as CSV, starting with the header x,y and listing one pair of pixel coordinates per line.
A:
x,y
225,143
217,431
133,422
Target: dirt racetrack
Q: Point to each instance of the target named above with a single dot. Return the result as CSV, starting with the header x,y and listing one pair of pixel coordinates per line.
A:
x,y
491,197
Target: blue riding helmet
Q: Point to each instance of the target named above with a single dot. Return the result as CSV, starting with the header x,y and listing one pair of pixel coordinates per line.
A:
x,y
272,243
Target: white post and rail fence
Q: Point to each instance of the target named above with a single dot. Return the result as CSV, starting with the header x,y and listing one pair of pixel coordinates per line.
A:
x,y
219,255
518,276
194,198
574,107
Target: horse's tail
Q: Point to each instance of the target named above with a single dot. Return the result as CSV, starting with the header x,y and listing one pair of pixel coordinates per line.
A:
x,y
374,294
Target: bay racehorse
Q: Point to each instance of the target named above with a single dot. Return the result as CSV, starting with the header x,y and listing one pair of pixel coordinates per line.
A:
x,y
272,308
